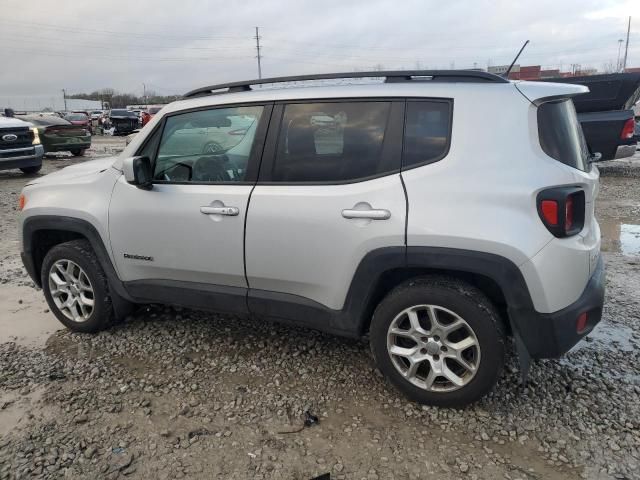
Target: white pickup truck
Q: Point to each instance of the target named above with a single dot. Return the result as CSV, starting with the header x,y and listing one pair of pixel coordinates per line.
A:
x,y
19,146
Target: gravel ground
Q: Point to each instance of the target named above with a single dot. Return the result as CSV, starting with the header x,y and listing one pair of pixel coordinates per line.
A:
x,y
175,393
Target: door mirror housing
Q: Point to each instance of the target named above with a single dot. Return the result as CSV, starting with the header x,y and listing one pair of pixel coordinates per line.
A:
x,y
137,171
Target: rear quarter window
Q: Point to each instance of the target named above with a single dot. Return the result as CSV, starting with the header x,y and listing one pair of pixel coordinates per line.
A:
x,y
427,132
561,135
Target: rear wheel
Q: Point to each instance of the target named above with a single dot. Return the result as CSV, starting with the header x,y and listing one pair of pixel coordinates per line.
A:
x,y
76,288
78,152
31,170
439,341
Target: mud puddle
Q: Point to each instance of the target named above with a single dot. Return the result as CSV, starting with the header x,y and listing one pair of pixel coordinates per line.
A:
x,y
25,317
620,235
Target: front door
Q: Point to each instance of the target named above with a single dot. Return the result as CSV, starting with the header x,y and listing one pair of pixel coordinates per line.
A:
x,y
188,230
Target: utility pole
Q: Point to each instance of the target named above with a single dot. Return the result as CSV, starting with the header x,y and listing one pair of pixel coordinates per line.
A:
x,y
618,64
144,93
257,37
626,48
64,96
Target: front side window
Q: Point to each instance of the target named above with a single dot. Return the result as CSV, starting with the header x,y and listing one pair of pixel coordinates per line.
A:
x,y
207,145
561,134
427,132
330,142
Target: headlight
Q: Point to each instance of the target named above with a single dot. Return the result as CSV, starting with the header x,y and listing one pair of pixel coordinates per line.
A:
x,y
36,136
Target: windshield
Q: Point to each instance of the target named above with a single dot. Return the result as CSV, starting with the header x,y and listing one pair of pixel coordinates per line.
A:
x,y
123,113
561,135
76,117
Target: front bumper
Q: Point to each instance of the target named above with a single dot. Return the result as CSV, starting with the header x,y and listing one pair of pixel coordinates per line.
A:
x,y
624,151
550,335
21,157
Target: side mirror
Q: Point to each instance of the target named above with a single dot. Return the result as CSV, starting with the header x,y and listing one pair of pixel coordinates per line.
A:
x,y
137,171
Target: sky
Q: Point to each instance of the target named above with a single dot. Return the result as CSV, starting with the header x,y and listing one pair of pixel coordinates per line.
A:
x,y
170,47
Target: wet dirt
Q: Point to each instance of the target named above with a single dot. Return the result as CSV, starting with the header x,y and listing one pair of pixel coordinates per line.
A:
x,y
192,395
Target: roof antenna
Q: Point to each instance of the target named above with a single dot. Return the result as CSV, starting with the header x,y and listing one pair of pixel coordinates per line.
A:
x,y
506,74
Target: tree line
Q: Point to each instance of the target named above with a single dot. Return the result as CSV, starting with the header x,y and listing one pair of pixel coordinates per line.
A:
x,y
121,100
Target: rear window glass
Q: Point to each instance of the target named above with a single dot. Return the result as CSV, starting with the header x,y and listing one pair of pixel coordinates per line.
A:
x,y
561,135
427,132
331,142
44,120
76,117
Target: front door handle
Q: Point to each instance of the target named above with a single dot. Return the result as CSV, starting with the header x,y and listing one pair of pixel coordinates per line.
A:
x,y
373,214
230,211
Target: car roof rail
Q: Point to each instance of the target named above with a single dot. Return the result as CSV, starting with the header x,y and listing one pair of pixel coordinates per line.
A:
x,y
391,76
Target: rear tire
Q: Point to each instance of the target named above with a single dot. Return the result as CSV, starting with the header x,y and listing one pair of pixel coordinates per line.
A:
x,y
78,152
450,362
31,170
76,287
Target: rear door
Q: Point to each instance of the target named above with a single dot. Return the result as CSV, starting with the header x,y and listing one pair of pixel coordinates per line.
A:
x,y
329,192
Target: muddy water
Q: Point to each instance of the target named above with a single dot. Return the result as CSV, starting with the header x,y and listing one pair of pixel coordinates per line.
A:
x,y
620,235
25,317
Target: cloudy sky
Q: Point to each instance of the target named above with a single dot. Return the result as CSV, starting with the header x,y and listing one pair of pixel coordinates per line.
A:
x,y
174,46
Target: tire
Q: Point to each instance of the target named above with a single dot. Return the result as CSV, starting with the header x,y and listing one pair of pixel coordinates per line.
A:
x,y
79,253
78,152
451,300
31,170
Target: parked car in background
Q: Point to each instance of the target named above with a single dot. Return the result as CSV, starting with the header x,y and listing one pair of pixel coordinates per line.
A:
x,y
19,146
606,112
59,135
97,114
79,119
149,114
123,121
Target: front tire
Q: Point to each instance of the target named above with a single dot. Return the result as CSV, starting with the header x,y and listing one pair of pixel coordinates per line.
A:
x,y
31,170
439,341
76,287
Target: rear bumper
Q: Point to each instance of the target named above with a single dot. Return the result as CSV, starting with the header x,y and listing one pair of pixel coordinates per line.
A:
x,y
22,157
624,151
65,147
549,335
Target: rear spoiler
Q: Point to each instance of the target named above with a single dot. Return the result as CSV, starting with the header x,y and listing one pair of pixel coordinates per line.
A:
x,y
615,91
538,93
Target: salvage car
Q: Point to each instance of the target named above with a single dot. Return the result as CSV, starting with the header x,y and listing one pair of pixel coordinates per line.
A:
x,y
19,146
414,226
60,135
148,114
79,119
123,121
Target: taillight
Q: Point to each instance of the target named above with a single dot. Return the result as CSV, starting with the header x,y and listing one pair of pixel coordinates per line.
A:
x,y
238,131
22,201
562,210
628,129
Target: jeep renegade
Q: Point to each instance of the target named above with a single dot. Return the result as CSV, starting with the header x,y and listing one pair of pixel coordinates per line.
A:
x,y
439,212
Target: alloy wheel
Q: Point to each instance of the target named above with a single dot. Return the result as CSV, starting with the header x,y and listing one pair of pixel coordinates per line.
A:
x,y
433,348
71,290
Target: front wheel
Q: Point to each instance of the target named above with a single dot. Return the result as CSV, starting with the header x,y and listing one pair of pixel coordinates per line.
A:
x,y
76,287
439,341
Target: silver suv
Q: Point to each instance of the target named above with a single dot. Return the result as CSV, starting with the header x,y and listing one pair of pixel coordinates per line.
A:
x,y
439,212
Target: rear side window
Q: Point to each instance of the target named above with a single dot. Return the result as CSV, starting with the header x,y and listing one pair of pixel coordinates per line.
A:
x,y
427,132
561,135
331,142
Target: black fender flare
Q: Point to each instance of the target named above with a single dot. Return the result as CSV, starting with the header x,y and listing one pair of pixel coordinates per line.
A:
x,y
36,223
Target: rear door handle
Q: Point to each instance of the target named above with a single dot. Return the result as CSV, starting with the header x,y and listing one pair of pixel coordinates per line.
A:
x,y
374,214
230,211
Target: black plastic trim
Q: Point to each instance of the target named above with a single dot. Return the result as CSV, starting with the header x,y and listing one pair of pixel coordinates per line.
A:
x,y
36,223
219,298
390,76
